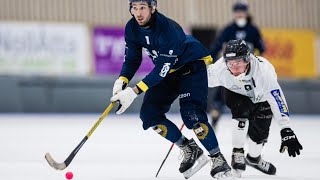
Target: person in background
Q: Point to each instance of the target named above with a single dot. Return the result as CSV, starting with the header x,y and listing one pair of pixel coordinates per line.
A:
x,y
242,28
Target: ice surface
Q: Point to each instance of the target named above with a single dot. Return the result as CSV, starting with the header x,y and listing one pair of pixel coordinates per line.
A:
x,y
119,149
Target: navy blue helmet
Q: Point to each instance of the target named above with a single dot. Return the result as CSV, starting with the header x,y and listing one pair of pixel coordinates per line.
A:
x,y
240,6
152,3
236,49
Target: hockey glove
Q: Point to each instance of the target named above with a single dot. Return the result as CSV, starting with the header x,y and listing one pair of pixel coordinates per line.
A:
x,y
119,85
125,97
290,142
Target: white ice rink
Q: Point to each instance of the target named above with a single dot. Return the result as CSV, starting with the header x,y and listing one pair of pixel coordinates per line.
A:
x,y
119,149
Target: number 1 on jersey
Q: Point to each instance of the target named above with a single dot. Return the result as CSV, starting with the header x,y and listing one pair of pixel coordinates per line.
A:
x,y
147,39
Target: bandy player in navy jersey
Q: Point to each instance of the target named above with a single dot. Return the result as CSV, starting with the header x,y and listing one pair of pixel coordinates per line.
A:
x,y
180,72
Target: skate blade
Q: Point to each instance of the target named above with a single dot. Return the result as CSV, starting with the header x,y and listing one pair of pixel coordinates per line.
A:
x,y
223,176
237,173
201,161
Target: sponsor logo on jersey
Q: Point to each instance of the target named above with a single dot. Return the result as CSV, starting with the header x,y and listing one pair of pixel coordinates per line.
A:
x,y
235,87
257,99
168,55
184,95
247,87
281,104
175,61
153,54
245,80
165,69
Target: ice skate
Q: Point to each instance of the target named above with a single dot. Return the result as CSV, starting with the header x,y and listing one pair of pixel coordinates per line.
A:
x,y
261,165
193,159
238,163
220,168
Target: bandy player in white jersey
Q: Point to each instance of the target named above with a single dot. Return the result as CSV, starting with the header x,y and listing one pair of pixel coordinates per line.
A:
x,y
254,96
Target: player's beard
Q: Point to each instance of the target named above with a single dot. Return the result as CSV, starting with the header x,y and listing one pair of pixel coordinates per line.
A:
x,y
141,21
149,21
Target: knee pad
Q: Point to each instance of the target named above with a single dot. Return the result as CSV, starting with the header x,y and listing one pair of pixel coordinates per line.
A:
x,y
148,117
201,130
162,130
260,124
192,114
264,112
146,122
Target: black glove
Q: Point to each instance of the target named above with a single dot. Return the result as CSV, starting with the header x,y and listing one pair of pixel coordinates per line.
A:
x,y
290,142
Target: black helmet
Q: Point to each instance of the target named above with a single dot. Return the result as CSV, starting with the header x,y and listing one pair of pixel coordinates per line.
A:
x,y
236,49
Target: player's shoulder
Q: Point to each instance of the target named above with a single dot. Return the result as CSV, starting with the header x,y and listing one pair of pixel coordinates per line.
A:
x,y
168,29
131,24
218,66
263,62
253,28
220,61
263,67
229,27
161,18
167,25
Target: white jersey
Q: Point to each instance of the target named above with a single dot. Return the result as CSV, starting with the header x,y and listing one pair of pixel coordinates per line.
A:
x,y
260,84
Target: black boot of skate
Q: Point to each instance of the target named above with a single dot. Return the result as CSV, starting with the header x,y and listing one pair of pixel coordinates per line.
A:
x,y
261,165
237,162
220,168
192,153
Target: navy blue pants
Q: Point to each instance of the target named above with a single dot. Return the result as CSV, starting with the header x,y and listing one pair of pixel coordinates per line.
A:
x,y
190,85
218,101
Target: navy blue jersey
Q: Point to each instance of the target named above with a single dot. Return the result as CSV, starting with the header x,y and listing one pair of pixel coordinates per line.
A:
x,y
165,43
249,33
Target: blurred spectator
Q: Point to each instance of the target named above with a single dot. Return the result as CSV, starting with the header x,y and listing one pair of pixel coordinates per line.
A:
x,y
241,27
